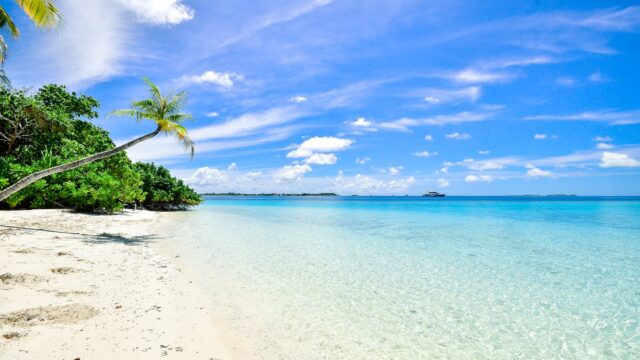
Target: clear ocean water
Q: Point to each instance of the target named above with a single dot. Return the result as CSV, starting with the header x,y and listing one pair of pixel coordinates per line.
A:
x,y
421,278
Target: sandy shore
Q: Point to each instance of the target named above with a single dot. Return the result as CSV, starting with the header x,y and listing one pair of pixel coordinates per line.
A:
x,y
92,287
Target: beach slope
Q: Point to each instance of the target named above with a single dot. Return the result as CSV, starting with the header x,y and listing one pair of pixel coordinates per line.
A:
x,y
92,287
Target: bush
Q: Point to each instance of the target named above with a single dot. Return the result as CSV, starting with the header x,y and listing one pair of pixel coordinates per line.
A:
x,y
164,192
51,128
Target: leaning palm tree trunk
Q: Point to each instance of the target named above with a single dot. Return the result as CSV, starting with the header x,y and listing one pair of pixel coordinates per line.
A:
x,y
32,178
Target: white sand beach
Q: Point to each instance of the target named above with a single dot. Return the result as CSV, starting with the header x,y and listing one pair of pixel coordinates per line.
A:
x,y
78,286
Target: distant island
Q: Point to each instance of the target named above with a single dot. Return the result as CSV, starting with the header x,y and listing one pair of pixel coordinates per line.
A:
x,y
269,194
549,195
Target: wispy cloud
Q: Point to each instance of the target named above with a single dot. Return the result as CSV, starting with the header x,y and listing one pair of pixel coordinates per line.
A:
x,y
444,96
405,124
280,15
458,136
554,32
608,116
476,76
425,153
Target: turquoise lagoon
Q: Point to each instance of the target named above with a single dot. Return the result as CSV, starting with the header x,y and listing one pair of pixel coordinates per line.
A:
x,y
420,278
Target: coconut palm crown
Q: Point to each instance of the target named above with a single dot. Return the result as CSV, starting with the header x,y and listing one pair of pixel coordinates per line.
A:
x,y
164,111
43,13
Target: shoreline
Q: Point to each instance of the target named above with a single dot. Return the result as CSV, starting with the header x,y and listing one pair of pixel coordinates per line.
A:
x,y
88,286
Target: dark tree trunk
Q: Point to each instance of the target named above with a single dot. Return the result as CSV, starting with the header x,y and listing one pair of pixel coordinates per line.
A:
x,y
31,178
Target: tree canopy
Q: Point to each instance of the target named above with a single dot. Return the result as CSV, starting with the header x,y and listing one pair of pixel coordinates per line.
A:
x,y
50,128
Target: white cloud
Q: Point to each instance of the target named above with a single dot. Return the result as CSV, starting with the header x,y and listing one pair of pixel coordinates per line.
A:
x,y
395,170
299,153
608,116
321,159
212,114
363,184
443,96
159,12
313,148
206,179
361,122
428,138
458,136
254,174
325,144
536,172
363,160
92,44
291,172
443,183
611,159
232,167
602,138
484,152
478,178
222,79
485,165
298,99
425,153
477,76
604,146
540,136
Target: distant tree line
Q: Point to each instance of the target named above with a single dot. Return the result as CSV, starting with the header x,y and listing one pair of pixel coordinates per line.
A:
x,y
270,194
51,127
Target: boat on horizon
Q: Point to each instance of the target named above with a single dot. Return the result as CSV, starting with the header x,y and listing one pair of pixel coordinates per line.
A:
x,y
433,194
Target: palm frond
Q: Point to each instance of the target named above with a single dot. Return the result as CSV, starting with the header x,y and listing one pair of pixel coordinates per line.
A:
x,y
177,101
180,133
4,79
123,112
164,111
178,118
154,90
3,50
43,12
5,20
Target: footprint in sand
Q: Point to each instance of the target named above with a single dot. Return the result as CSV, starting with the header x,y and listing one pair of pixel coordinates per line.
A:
x,y
65,270
65,314
24,251
12,335
20,279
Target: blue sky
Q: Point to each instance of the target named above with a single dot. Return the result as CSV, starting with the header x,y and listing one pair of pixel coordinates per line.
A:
x,y
382,97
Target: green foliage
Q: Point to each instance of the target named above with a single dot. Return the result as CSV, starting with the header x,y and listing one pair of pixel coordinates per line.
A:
x,y
48,129
164,192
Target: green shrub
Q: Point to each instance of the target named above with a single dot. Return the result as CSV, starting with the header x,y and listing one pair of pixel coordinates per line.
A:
x,y
51,128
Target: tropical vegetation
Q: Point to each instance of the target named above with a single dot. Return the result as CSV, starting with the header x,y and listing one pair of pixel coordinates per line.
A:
x,y
50,129
162,110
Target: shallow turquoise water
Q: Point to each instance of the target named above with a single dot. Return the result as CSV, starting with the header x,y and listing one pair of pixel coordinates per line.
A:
x,y
414,278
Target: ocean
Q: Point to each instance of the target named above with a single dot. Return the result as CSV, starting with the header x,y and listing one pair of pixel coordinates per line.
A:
x,y
419,278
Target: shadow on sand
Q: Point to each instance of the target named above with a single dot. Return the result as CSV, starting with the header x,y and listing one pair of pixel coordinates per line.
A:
x,y
105,238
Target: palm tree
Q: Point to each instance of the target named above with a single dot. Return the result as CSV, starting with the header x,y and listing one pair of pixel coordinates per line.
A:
x,y
162,110
42,12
